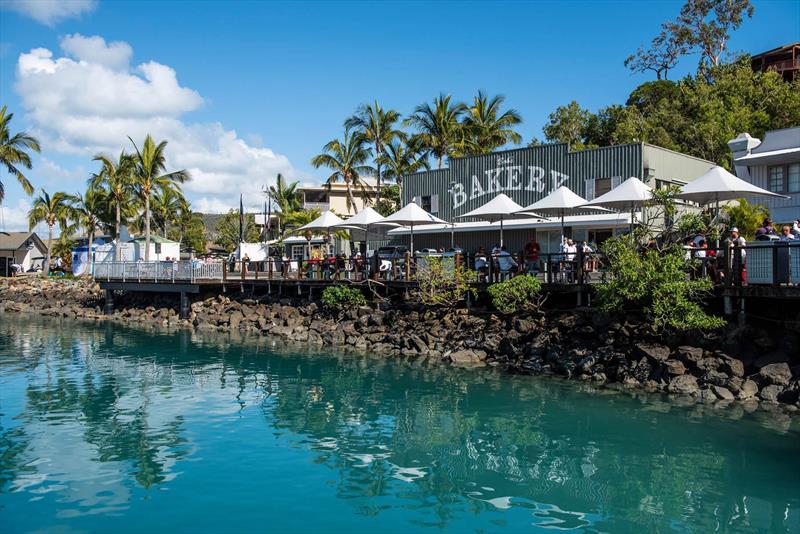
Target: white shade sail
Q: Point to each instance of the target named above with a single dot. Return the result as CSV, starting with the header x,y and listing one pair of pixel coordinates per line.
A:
x,y
561,202
324,222
500,207
362,219
630,194
718,185
410,215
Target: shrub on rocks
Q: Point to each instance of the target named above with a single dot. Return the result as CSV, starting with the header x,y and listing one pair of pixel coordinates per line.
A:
x,y
518,294
340,298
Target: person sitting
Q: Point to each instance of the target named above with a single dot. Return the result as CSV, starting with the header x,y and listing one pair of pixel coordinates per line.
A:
x,y
766,230
796,229
786,234
506,263
481,264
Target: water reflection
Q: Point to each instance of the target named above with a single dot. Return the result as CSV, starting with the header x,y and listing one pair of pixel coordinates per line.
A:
x,y
94,418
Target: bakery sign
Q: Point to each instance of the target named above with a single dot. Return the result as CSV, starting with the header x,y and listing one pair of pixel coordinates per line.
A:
x,y
507,176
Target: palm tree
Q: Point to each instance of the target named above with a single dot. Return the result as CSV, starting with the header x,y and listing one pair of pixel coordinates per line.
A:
x,y
13,152
377,126
149,176
286,197
116,177
487,126
348,161
167,204
50,210
438,127
402,158
86,211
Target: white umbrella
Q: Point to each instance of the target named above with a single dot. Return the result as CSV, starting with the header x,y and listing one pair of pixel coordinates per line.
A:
x,y
323,223
362,221
629,195
560,202
718,184
499,208
410,215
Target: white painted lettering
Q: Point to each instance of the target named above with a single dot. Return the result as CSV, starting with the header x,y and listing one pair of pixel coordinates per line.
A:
x,y
535,179
459,195
477,188
494,185
513,183
558,179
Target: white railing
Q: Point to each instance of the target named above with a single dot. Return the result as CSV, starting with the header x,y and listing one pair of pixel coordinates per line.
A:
x,y
157,271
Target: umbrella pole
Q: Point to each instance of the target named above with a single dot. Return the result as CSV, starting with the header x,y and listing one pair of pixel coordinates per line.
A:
x,y
562,230
412,239
633,214
501,232
716,216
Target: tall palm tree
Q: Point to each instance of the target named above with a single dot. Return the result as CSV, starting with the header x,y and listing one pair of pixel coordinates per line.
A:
x,y
116,177
86,210
13,152
402,158
347,158
50,210
149,175
438,127
377,125
286,197
488,127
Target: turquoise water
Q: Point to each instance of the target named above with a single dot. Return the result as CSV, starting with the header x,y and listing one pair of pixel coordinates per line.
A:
x,y
108,429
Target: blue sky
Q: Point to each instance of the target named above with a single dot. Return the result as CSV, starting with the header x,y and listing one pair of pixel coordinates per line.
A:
x,y
243,90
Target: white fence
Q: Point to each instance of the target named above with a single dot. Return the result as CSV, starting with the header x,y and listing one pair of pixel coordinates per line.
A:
x,y
157,271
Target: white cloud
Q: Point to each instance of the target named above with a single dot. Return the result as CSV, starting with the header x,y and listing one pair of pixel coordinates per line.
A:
x,y
14,218
50,12
93,100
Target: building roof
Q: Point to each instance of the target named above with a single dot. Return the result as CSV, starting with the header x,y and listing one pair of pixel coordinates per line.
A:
x,y
16,240
605,220
368,181
778,146
153,239
777,50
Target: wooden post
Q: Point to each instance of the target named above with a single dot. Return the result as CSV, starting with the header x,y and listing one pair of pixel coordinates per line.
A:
x,y
408,266
269,268
224,271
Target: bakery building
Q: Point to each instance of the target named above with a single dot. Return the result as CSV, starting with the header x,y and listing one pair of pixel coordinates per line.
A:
x,y
527,175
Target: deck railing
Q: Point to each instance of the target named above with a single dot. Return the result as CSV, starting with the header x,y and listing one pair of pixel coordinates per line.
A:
x,y
759,263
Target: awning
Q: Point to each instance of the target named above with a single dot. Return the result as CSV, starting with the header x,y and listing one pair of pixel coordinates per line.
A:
x,y
605,220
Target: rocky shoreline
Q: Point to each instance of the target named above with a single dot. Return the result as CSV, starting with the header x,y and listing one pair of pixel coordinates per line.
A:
x,y
748,367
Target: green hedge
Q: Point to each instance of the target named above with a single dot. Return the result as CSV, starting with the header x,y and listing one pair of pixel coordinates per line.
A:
x,y
340,297
520,293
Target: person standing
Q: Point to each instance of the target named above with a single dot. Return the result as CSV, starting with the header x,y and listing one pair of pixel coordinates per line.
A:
x,y
532,251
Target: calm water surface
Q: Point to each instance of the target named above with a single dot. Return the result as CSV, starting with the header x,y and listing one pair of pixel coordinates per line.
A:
x,y
107,429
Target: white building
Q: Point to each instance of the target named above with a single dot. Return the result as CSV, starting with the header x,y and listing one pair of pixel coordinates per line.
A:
x,y
21,248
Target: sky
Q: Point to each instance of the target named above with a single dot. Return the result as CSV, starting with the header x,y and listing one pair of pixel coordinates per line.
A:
x,y
243,90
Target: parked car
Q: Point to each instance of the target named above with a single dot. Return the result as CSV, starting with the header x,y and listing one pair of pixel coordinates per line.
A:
x,y
392,252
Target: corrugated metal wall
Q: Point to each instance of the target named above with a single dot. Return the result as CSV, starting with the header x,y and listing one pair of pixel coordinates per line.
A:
x,y
525,174
670,165
781,209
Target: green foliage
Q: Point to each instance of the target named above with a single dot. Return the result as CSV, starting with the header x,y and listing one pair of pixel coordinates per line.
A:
x,y
390,200
340,297
746,217
438,127
487,127
521,293
656,284
13,152
227,230
348,161
190,231
441,283
568,124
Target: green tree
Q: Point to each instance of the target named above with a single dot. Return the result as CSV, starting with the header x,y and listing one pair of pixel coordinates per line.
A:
x,y
377,126
189,230
568,124
286,197
227,230
705,26
166,206
656,284
403,157
150,176
487,126
50,210
661,57
86,210
438,127
116,178
347,159
746,217
13,153
441,283
521,293
390,202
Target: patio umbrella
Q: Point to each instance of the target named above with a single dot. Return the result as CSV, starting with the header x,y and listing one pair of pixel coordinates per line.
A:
x,y
499,208
323,223
410,215
559,203
629,195
362,221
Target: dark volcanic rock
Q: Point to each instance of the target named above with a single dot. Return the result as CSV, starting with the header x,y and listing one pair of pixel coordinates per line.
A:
x,y
684,385
655,352
776,373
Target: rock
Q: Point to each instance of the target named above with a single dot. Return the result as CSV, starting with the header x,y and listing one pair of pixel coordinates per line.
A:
x,y
675,367
689,354
748,390
732,366
234,319
708,364
684,385
722,393
467,358
776,373
770,393
707,395
658,353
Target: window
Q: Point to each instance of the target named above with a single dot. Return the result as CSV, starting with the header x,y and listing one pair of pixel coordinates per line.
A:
x,y
426,203
602,186
794,178
298,252
775,181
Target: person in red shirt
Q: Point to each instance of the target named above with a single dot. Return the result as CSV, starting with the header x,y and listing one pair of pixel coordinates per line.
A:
x,y
532,250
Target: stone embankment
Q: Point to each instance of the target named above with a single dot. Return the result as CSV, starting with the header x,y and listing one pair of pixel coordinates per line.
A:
x,y
747,366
